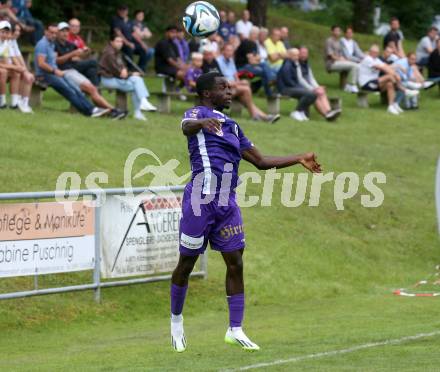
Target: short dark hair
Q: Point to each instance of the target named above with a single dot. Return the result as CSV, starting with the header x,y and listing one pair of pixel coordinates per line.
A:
x,y
393,19
349,27
171,27
433,28
49,25
123,7
206,82
335,26
137,11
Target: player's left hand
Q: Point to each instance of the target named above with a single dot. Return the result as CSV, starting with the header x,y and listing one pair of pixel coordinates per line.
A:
x,y
309,161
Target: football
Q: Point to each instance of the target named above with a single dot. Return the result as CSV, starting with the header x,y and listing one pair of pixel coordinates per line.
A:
x,y
201,19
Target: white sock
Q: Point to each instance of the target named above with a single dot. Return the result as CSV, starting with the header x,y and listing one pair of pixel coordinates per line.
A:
x,y
235,329
15,98
176,318
25,101
2,99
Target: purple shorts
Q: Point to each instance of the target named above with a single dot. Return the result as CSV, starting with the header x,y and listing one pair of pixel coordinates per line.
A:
x,y
222,226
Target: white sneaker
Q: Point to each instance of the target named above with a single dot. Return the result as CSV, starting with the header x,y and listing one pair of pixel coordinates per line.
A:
x,y
147,106
398,108
411,93
392,110
178,340
98,112
297,115
428,84
349,88
139,116
304,116
25,109
236,336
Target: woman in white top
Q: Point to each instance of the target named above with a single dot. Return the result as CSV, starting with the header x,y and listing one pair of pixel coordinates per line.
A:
x,y
350,48
27,78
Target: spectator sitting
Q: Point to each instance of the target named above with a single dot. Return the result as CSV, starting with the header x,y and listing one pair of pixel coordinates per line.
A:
x,y
227,29
426,46
389,81
308,81
434,64
262,36
389,55
194,71
27,78
395,36
241,89
12,71
215,43
248,59
336,62
47,71
167,60
74,34
182,45
275,49
140,33
209,62
285,37
411,78
244,25
289,85
350,48
71,57
74,71
115,75
32,25
121,26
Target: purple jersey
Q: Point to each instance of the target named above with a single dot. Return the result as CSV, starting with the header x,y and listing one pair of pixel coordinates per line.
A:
x,y
213,153
192,74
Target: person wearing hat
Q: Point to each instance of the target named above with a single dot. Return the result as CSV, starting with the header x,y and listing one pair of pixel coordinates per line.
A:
x,y
46,70
10,71
68,60
72,57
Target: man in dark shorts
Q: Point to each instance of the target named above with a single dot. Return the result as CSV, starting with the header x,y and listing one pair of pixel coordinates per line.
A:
x,y
377,76
210,212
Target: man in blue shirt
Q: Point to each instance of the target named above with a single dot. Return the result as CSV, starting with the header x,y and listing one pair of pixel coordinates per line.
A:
x,y
47,71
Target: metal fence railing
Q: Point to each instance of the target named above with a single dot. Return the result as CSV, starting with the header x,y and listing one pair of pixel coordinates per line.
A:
x,y
96,283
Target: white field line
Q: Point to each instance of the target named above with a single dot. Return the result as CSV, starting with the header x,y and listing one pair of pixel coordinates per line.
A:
x,y
335,352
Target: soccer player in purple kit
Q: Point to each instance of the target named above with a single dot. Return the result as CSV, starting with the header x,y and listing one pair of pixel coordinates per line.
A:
x,y
210,212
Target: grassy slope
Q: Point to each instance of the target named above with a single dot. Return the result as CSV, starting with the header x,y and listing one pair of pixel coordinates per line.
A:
x,y
317,279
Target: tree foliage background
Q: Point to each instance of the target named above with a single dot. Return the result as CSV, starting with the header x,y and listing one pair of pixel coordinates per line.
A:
x,y
416,15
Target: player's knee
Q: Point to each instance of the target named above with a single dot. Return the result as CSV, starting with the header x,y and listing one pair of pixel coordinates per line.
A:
x,y
236,268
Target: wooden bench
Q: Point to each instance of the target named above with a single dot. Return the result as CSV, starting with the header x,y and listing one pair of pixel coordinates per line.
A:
x,y
169,91
343,77
362,97
38,89
274,103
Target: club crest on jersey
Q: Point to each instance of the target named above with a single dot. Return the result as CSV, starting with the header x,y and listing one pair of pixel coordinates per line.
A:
x,y
219,133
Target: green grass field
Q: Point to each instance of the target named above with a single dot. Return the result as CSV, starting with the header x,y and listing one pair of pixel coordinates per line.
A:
x,y
317,279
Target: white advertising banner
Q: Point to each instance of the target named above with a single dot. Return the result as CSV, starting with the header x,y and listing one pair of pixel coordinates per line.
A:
x,y
140,235
42,238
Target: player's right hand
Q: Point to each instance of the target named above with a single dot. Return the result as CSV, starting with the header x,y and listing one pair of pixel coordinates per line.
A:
x,y
211,124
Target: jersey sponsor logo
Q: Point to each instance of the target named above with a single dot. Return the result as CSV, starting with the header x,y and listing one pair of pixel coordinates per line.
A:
x,y
191,242
229,231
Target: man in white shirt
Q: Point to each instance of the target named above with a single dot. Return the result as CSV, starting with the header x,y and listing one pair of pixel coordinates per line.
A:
x,y
244,25
370,79
426,45
12,71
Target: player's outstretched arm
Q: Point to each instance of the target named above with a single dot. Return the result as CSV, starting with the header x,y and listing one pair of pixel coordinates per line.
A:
x,y
191,127
307,160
